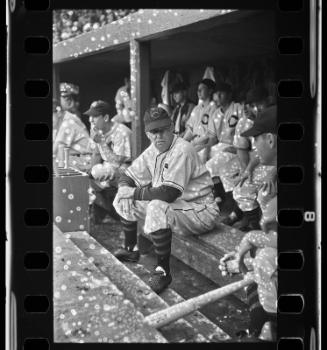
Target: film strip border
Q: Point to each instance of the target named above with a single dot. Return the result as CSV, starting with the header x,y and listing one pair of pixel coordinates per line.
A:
x,y
29,190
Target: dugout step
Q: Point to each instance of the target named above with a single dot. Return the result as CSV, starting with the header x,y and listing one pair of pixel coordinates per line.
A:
x,y
88,306
199,322
193,328
202,253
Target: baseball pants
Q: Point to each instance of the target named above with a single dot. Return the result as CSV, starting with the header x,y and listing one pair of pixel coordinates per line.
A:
x,y
180,216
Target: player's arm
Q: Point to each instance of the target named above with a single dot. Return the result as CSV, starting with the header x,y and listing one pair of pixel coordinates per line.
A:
x,y
254,161
165,193
244,157
96,159
111,156
206,141
258,239
189,135
126,180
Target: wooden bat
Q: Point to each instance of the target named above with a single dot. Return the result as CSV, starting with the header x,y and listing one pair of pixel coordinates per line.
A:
x,y
174,312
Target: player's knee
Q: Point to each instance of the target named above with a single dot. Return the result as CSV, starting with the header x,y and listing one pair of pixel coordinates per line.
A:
x,y
157,208
157,204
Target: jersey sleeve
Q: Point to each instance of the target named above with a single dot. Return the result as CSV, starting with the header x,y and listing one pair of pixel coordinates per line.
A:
x,y
190,123
178,171
239,141
66,133
139,171
122,144
215,125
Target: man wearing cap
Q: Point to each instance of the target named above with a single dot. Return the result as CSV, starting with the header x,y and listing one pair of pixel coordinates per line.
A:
x,y
223,164
72,133
168,187
253,173
264,132
197,124
183,108
112,152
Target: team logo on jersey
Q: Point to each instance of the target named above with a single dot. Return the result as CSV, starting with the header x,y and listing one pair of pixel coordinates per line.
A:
x,y
233,121
205,119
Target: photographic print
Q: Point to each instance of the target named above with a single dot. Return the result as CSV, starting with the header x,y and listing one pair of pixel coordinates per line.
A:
x,y
164,144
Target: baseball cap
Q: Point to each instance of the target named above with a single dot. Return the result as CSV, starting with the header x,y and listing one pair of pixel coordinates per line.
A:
x,y
68,89
266,122
165,107
256,94
98,108
156,118
209,83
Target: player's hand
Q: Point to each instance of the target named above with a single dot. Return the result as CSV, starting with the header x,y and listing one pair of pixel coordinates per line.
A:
x,y
98,136
225,265
126,192
245,175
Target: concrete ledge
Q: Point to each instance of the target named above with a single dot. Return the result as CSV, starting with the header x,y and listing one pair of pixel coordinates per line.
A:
x,y
133,288
88,307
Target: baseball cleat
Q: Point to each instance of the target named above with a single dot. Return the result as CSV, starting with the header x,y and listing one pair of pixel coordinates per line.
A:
x,y
159,280
124,254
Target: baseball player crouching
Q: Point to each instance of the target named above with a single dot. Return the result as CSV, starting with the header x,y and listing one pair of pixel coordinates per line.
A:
x,y
168,187
262,296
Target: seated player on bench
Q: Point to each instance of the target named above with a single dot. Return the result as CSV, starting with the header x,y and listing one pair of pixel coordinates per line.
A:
x,y
262,296
168,187
247,213
223,164
113,152
72,133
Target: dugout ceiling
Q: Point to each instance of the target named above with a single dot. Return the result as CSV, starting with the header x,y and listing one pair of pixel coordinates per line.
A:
x,y
238,35
244,36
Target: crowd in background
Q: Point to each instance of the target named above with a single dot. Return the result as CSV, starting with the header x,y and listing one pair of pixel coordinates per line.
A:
x,y
70,23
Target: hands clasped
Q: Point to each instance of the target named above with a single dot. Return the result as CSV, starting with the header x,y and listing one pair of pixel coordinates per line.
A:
x,y
103,172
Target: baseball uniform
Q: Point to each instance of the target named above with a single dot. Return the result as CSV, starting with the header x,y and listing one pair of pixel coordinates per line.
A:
x,y
116,142
246,195
57,118
199,121
195,211
74,135
226,165
265,261
180,116
124,106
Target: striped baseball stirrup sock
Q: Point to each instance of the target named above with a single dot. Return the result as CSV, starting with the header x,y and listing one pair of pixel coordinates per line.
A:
x,y
130,232
162,247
